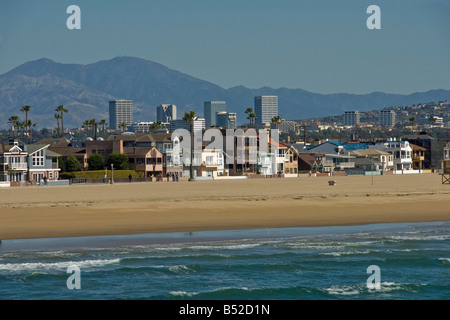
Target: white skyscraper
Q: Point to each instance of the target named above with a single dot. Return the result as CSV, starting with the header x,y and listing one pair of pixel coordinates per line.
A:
x,y
266,107
120,111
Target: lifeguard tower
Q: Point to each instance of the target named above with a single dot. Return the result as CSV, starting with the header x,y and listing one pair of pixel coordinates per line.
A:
x,y
446,171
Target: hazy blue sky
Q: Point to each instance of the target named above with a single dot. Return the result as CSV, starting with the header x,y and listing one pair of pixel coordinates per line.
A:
x,y
322,46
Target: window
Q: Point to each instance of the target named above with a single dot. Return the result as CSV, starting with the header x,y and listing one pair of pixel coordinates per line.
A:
x,y
38,159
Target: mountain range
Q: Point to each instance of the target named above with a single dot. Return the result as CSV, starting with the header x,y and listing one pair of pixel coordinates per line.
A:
x,y
85,90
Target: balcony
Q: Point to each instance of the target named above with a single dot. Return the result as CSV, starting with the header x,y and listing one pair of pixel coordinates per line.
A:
x,y
17,166
345,165
404,160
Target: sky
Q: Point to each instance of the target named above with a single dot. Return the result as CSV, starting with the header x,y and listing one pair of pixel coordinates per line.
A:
x,y
322,46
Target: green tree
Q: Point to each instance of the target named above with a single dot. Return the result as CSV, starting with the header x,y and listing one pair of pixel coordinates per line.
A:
x,y
123,126
103,123
57,117
432,120
96,162
62,110
22,125
72,164
157,125
276,121
119,161
251,115
14,121
93,125
25,109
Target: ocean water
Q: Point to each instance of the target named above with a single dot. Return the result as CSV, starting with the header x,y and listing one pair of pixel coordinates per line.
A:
x,y
412,261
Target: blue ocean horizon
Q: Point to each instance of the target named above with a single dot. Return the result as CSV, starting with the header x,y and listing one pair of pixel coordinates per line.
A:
x,y
320,263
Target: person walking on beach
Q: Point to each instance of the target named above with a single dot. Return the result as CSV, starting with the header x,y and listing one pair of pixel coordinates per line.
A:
x,y
130,177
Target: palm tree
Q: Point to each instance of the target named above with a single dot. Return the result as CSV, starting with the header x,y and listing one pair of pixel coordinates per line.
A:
x,y
191,117
432,120
157,125
93,125
34,124
124,126
62,110
86,125
276,121
14,120
25,109
251,115
103,123
412,120
57,117
29,124
22,125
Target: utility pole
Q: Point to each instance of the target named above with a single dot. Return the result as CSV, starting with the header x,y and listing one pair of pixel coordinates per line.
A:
x,y
112,173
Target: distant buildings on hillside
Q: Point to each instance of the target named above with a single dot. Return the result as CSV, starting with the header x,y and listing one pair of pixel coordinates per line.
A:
x,y
387,118
352,118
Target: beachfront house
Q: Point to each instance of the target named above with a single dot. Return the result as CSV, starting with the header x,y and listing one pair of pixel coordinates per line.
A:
x,y
314,163
401,151
31,164
286,161
336,153
447,150
433,153
213,163
42,163
13,163
418,156
372,160
67,148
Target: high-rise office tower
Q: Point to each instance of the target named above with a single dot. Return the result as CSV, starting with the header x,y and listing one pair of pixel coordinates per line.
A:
x,y
166,112
210,110
387,118
226,120
266,107
120,111
351,118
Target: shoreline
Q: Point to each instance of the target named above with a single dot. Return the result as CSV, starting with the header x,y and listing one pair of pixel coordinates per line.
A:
x,y
203,237
159,208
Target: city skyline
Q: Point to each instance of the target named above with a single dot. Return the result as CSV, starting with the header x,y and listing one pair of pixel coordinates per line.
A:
x,y
321,47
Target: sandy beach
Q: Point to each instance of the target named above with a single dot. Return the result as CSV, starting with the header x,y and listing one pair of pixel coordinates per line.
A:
x,y
161,207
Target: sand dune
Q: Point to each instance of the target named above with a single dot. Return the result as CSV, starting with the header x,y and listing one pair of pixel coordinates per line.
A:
x,y
86,210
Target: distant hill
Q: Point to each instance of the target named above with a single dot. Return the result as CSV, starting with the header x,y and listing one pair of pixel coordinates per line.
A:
x,y
86,90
